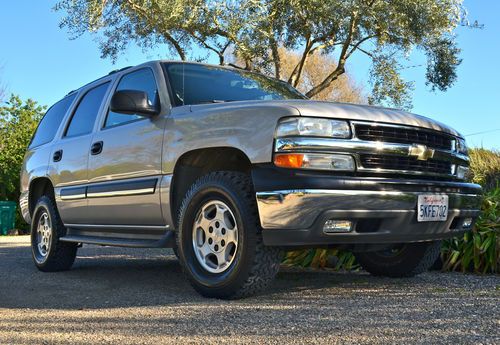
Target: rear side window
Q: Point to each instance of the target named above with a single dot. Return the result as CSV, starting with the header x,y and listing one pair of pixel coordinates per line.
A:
x,y
85,114
140,80
51,121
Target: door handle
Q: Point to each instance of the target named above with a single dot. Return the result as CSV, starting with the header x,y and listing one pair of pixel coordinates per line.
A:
x,y
96,148
57,156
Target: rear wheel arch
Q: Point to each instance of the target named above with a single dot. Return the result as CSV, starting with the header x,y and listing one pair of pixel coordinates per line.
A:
x,y
196,163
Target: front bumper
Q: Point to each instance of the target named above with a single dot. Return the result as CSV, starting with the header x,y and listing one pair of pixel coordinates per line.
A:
x,y
382,210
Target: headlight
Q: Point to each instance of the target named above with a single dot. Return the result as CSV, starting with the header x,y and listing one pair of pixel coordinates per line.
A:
x,y
313,127
461,146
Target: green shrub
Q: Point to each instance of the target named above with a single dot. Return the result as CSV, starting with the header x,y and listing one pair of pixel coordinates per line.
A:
x,y
485,168
478,250
18,121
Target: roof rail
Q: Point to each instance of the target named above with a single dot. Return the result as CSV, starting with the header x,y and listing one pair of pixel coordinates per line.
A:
x,y
119,70
110,73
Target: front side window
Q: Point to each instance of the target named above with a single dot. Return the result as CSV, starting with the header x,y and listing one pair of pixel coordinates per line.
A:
x,y
197,84
86,113
140,80
51,121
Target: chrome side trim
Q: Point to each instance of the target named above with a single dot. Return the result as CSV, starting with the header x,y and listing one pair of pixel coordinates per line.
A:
x,y
73,196
121,192
110,189
116,226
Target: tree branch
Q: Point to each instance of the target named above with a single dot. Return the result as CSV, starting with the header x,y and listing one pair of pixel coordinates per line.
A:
x,y
166,35
341,63
297,71
356,46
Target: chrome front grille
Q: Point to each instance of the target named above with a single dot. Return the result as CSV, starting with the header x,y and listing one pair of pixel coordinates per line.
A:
x,y
408,164
404,135
387,149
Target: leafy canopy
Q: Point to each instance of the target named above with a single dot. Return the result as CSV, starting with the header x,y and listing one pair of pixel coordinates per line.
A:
x,y
254,30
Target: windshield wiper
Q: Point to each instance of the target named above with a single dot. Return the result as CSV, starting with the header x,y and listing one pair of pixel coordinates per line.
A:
x,y
214,101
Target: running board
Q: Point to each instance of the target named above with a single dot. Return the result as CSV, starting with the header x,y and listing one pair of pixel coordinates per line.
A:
x,y
167,241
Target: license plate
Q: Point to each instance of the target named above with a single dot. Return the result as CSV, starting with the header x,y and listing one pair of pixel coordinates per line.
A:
x,y
432,208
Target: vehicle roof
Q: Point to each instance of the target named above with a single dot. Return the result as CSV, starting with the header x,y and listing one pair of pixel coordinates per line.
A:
x,y
147,63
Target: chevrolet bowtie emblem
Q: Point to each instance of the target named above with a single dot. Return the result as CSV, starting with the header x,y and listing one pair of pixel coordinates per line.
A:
x,y
421,152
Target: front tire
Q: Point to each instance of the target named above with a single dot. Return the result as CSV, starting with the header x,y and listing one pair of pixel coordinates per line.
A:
x,y
405,260
219,240
49,253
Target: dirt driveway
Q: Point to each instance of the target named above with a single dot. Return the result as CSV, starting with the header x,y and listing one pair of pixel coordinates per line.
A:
x,y
138,296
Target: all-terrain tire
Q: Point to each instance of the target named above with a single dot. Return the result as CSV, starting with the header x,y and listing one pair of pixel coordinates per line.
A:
x,y
408,260
254,266
60,255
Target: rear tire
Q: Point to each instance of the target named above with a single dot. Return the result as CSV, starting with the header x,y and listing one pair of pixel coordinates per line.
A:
x,y
406,260
219,240
50,254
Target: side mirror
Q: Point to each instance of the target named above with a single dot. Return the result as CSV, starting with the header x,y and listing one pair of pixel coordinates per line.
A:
x,y
132,102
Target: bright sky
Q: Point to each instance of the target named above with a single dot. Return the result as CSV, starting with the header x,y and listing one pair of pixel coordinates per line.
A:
x,y
39,61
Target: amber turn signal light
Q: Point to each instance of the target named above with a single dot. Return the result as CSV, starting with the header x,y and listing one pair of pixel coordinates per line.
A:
x,y
289,160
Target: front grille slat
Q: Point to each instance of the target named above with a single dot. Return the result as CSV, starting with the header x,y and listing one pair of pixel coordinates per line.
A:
x,y
402,163
403,135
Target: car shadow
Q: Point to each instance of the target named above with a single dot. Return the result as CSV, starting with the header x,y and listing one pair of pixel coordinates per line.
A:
x,y
105,277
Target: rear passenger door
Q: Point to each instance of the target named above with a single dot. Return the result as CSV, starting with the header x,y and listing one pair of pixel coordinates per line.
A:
x,y
124,174
69,158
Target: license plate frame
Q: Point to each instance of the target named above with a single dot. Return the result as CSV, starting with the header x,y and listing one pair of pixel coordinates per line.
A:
x,y
432,208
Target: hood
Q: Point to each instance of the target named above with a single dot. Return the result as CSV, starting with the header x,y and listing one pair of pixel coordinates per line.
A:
x,y
368,113
336,110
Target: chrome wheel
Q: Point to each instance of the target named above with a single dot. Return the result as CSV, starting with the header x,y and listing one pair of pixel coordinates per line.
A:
x,y
43,235
215,236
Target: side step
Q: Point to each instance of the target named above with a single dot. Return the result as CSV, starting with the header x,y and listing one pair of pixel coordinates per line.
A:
x,y
166,241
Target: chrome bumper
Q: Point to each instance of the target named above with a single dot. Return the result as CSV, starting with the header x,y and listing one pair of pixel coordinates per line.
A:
x,y
299,215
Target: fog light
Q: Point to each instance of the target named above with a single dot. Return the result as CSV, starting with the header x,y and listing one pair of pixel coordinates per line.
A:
x,y
462,172
467,223
333,226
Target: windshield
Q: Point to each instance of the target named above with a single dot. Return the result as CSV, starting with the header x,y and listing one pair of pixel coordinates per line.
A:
x,y
197,84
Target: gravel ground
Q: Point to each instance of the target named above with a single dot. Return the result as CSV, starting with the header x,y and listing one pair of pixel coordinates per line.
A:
x,y
138,296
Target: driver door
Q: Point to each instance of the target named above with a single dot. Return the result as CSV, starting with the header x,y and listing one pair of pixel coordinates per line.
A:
x,y
125,164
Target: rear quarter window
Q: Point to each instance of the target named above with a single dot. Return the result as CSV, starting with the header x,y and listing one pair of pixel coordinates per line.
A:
x,y
48,126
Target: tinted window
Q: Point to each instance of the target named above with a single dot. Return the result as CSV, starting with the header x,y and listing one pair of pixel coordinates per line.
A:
x,y
195,84
84,117
51,121
140,80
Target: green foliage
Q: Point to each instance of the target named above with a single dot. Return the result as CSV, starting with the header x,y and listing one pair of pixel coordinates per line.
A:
x,y
478,250
388,84
485,167
253,31
319,258
18,121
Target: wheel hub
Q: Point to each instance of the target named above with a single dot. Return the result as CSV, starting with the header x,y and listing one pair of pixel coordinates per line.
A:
x,y
215,236
44,234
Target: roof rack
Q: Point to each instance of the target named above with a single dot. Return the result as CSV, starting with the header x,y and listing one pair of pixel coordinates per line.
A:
x,y
110,73
119,70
